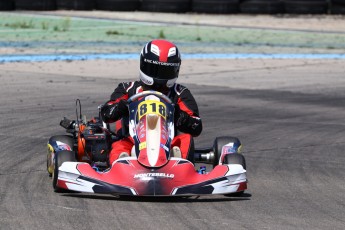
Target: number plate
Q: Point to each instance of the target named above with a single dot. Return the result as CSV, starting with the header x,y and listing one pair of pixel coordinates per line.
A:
x,y
152,107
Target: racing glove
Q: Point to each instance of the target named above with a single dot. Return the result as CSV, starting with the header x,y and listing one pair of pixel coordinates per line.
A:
x,y
188,124
113,112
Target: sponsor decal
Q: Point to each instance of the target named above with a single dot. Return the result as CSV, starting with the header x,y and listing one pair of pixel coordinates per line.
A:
x,y
141,125
153,175
142,145
161,63
63,146
164,147
112,110
228,148
141,129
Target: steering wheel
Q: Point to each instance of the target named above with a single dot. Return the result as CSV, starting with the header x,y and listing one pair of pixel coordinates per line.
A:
x,y
149,92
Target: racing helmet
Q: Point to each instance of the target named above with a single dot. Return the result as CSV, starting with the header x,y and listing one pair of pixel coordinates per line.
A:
x,y
159,65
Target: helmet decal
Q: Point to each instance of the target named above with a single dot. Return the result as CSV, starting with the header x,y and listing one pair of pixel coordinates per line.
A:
x,y
145,79
164,50
146,48
155,49
172,52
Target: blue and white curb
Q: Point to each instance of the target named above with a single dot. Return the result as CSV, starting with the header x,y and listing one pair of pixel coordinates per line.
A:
x,y
134,56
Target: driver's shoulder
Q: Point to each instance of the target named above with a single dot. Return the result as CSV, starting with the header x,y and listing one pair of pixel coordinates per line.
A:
x,y
179,89
131,85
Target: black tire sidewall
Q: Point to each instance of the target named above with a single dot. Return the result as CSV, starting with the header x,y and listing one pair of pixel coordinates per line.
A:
x,y
76,4
235,158
219,142
35,5
337,9
60,158
305,7
6,5
171,6
262,7
118,5
215,7
341,2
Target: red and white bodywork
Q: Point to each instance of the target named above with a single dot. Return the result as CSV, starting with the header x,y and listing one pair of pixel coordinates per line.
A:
x,y
129,177
152,170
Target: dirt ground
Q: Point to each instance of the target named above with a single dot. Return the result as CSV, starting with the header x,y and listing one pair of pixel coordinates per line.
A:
x,y
335,23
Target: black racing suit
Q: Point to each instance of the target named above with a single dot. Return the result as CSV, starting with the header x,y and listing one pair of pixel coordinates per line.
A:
x,y
187,118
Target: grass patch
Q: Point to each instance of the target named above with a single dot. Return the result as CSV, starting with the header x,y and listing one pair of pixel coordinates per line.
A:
x,y
60,26
131,36
45,26
64,26
20,25
161,34
113,32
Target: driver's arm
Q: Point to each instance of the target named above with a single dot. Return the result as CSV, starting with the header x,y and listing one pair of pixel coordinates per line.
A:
x,y
116,107
187,118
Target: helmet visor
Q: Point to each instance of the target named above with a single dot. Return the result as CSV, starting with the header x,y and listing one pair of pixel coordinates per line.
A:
x,y
160,70
155,84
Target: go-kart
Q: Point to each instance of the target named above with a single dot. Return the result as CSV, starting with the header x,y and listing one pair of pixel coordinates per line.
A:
x,y
79,162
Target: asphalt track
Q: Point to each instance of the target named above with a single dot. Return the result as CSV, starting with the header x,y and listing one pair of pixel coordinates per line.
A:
x,y
293,140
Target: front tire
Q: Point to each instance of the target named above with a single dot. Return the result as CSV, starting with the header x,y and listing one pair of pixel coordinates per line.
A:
x,y
61,157
220,142
54,148
235,158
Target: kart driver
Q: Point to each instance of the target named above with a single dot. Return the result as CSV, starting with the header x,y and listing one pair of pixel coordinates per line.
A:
x,y
159,69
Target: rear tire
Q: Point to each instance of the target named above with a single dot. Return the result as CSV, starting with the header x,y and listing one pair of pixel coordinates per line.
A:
x,y
61,157
173,6
6,5
306,7
219,142
76,4
35,5
337,9
117,5
262,7
215,6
